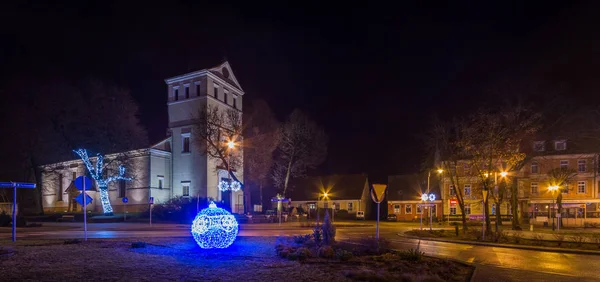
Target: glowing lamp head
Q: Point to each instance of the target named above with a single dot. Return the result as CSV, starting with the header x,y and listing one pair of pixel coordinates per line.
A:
x,y
424,197
325,195
214,227
553,188
440,171
231,144
504,174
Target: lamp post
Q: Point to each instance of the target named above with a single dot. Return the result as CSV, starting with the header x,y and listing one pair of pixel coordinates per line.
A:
x,y
439,171
321,196
552,189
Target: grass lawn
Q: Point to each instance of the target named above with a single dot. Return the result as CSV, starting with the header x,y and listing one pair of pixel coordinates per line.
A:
x,y
180,259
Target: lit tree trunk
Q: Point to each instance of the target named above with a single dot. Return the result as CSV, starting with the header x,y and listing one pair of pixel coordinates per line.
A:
x,y
486,211
559,206
287,177
104,198
498,215
514,204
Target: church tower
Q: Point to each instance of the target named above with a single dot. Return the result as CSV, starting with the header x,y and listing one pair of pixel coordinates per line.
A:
x,y
193,173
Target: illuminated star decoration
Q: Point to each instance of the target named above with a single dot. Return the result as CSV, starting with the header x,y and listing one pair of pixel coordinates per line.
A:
x,y
223,186
235,186
214,227
96,174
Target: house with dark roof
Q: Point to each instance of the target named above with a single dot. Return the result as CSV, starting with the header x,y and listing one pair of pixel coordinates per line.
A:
x,y
404,197
342,192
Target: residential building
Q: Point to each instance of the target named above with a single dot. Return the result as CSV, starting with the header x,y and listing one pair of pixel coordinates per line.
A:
x,y
349,192
404,197
173,167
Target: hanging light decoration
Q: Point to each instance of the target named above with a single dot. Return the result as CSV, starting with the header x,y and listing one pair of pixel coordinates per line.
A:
x,y
235,186
223,186
214,227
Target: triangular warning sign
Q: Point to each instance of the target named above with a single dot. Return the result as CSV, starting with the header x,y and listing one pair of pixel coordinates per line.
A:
x,y
378,192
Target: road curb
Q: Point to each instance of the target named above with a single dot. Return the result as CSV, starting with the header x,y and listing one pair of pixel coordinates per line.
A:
x,y
509,246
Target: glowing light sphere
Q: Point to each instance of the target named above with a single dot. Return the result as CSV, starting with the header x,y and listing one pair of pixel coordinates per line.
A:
x,y
424,197
214,227
432,197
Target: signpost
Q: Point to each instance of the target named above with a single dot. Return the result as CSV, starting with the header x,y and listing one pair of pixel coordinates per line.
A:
x,y
15,185
151,202
377,195
425,198
84,183
125,200
280,199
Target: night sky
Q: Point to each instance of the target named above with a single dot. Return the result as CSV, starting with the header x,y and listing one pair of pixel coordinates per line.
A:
x,y
372,76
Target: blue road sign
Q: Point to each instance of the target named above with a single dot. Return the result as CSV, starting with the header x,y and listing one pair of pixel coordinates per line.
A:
x,y
125,200
79,181
79,198
151,201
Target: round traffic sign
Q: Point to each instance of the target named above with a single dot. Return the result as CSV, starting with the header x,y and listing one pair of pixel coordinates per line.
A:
x,y
125,200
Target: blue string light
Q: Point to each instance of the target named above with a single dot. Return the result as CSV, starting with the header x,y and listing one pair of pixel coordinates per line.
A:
x,y
214,227
96,174
234,186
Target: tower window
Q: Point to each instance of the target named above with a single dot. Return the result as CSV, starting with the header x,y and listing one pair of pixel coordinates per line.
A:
x,y
216,91
176,94
581,166
185,142
225,97
187,91
161,180
560,145
197,89
234,101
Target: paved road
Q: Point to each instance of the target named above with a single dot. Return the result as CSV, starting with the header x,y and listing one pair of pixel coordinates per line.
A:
x,y
493,263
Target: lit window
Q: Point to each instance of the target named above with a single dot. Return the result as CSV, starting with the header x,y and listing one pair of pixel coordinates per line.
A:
x,y
350,206
122,188
453,210
467,189
185,187
185,140
581,166
161,180
467,208
564,164
312,206
397,209
493,209
452,191
581,187
534,188
419,209
538,146
408,209
534,167
560,145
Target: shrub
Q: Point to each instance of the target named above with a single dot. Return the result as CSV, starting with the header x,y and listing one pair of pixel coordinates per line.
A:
x,y
560,238
476,234
326,252
318,234
578,239
303,253
596,239
517,236
72,241
328,230
343,255
538,239
590,225
302,239
411,255
499,236
138,245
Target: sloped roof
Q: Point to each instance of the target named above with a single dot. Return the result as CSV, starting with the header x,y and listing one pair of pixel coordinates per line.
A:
x,y
338,187
410,187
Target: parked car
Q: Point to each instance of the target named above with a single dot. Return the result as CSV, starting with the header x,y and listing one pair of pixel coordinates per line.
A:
x,y
392,217
360,215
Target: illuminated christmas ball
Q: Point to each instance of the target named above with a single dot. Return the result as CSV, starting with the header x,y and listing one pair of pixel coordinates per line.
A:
x,y
214,227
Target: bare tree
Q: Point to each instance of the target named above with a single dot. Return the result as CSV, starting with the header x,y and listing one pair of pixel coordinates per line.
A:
x,y
446,139
214,128
261,137
302,145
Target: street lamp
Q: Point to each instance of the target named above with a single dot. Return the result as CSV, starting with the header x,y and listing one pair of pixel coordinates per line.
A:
x,y
439,171
321,196
552,189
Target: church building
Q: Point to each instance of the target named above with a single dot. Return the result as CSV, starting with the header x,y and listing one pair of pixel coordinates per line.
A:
x,y
170,168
